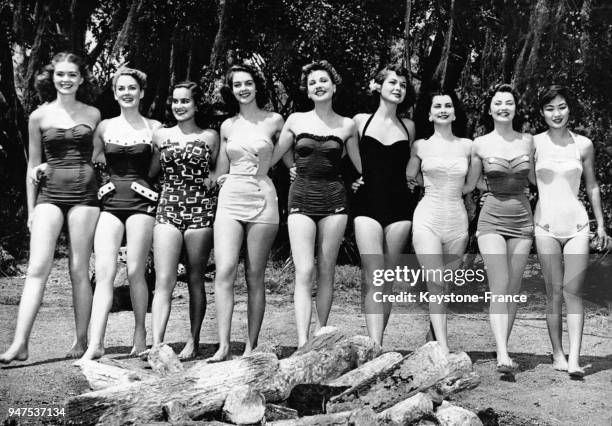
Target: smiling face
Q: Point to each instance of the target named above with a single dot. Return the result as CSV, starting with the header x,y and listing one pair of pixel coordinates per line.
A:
x,y
393,88
66,78
320,86
503,107
183,105
556,113
127,91
243,87
442,110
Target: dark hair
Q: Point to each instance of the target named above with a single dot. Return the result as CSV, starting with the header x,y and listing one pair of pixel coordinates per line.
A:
x,y
551,92
203,109
86,92
401,71
322,65
227,93
425,128
139,76
486,118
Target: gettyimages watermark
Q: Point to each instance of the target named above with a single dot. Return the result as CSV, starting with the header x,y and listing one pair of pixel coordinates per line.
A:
x,y
416,284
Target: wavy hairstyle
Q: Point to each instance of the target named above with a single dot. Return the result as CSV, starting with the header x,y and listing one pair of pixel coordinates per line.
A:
x,y
400,71
425,128
227,93
139,76
485,118
202,115
86,92
549,93
321,65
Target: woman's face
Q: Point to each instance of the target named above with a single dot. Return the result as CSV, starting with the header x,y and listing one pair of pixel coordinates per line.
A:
x,y
127,92
393,88
556,113
503,107
320,86
67,78
442,110
243,87
183,105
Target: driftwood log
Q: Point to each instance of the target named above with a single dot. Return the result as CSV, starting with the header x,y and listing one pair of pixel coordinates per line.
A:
x,y
203,388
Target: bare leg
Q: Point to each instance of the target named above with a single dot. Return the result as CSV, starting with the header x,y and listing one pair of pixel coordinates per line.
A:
x,y
576,259
107,241
139,233
549,254
82,222
259,240
329,236
518,254
302,234
228,236
46,226
198,243
167,244
396,237
369,236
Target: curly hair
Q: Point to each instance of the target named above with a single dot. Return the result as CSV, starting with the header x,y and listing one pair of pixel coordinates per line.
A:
x,y
86,92
139,76
487,120
227,93
322,65
197,94
549,93
400,71
425,127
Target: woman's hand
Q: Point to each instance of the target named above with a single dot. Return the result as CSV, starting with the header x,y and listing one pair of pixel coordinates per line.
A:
x,y
412,182
602,240
221,179
37,173
357,184
292,173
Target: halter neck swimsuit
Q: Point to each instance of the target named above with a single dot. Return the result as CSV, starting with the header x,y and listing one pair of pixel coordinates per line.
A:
x,y
185,201
128,155
248,194
559,213
384,196
441,210
317,190
506,210
69,179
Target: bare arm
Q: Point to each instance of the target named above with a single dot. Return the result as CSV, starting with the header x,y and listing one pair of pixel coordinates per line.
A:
x,y
414,163
592,190
286,139
531,176
154,166
98,143
352,146
222,163
474,171
35,147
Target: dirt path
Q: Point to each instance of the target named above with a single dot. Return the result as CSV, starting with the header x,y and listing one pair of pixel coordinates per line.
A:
x,y
540,395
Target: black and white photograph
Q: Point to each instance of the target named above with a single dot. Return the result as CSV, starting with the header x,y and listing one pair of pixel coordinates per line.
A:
x,y
305,212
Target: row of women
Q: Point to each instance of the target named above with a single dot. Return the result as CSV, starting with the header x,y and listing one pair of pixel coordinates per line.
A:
x,y
380,146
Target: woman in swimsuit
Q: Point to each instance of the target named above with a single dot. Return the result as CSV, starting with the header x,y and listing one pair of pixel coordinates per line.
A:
x,y
248,205
317,198
185,211
124,143
505,224
63,126
384,204
440,226
562,223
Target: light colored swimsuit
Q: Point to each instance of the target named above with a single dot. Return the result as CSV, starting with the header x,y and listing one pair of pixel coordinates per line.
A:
x,y
441,210
559,213
248,194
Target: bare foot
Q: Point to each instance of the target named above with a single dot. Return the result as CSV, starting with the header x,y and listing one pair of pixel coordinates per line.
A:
x,y
144,355
15,352
507,366
77,350
190,350
576,373
559,362
93,352
222,354
140,342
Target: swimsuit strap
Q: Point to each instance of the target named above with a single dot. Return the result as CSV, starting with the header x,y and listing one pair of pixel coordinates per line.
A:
x,y
405,128
576,149
366,125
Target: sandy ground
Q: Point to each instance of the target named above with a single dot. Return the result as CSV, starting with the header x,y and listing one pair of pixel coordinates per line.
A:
x,y
539,396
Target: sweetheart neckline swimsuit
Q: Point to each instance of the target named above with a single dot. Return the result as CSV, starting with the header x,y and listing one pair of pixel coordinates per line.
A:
x,y
128,154
384,196
318,190
559,213
441,210
248,194
185,201
506,210
69,178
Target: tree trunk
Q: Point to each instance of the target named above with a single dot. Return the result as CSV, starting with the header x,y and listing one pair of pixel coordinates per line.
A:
x,y
585,39
125,35
440,73
222,37
80,11
407,41
39,54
